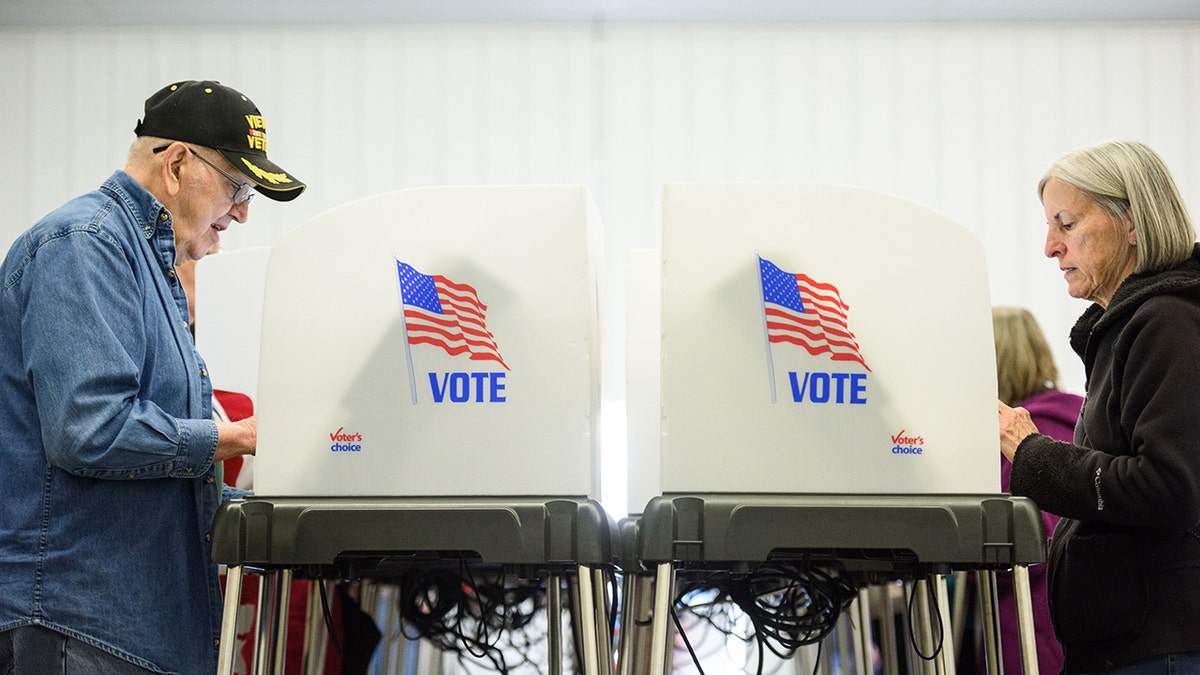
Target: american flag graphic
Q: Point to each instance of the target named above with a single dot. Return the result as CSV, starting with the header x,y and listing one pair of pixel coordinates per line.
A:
x,y
801,311
446,314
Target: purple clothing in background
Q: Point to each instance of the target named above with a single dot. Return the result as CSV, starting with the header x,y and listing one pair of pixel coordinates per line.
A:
x,y
1054,413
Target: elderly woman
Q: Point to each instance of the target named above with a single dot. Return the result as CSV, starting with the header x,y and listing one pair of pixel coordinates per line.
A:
x,y
1124,563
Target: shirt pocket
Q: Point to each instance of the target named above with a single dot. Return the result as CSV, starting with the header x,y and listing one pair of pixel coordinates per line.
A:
x,y
1098,590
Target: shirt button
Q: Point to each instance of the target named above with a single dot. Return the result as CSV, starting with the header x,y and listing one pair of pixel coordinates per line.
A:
x,y
162,216
208,536
204,372
188,470
216,642
131,475
209,480
171,273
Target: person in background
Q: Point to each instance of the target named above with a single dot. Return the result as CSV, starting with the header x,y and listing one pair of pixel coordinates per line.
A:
x,y
106,431
1027,377
1124,561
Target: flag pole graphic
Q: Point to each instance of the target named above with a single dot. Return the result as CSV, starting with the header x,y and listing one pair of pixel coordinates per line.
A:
x,y
412,377
766,332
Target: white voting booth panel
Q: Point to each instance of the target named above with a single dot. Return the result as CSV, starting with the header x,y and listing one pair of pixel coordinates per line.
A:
x,y
433,342
823,339
229,296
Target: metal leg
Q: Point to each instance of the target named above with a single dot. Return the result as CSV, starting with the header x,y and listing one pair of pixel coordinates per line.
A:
x,y
862,652
661,628
432,661
233,598
636,602
604,636
627,618
989,613
805,657
1025,620
392,644
887,628
824,661
945,658
924,625
554,637
907,629
262,625
283,598
844,637
587,622
314,631
959,611
411,653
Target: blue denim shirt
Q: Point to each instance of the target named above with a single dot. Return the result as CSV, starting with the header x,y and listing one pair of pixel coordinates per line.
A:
x,y
106,437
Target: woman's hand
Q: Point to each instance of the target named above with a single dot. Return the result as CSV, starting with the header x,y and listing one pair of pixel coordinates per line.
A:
x,y
1015,426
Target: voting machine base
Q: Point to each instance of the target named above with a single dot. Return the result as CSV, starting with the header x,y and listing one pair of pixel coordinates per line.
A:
x,y
543,538
851,541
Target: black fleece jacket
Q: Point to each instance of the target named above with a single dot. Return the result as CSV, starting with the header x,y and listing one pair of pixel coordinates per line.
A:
x,y
1124,564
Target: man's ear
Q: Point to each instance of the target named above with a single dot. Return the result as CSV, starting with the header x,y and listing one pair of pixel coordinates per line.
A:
x,y
171,167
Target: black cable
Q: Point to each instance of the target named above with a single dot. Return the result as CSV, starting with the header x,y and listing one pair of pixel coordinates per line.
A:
x,y
789,606
715,614
939,643
483,610
614,586
337,647
686,642
469,613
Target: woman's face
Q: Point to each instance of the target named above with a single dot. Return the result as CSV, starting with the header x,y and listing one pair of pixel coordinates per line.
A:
x,y
1095,251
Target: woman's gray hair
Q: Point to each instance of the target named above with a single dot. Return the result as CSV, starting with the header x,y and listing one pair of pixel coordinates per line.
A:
x,y
1131,182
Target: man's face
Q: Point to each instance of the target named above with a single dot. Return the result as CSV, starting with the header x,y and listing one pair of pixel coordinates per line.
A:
x,y
206,204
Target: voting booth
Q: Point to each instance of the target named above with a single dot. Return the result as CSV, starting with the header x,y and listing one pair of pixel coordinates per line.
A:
x,y
421,341
229,304
823,339
827,406
427,400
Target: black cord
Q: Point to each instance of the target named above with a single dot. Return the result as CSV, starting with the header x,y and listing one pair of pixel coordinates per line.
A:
x,y
614,592
469,612
337,647
788,605
716,616
686,642
939,643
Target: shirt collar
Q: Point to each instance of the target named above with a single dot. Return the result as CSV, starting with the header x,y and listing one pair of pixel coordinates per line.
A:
x,y
149,213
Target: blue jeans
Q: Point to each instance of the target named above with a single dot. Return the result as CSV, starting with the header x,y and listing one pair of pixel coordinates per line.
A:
x,y
1171,664
33,650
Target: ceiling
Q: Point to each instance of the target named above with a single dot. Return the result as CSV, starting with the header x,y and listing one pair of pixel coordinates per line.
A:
x,y
90,13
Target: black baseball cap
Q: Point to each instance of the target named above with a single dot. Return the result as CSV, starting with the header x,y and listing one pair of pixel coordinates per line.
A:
x,y
210,114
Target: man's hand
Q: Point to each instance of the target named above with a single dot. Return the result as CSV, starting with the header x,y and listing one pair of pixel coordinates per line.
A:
x,y
236,438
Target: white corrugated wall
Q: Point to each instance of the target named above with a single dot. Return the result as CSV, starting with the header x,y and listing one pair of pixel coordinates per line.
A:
x,y
961,118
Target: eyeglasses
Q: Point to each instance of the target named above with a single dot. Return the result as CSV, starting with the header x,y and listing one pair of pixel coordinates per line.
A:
x,y
243,192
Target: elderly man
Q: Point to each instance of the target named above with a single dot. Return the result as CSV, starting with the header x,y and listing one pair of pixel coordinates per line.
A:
x,y
107,439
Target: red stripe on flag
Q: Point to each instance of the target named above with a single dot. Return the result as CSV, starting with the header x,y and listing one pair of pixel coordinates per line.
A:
x,y
816,332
